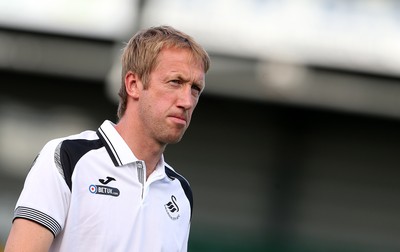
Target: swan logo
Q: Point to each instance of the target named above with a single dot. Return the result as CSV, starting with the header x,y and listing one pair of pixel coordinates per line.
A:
x,y
172,208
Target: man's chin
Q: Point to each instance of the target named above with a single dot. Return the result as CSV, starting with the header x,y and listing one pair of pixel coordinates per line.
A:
x,y
173,139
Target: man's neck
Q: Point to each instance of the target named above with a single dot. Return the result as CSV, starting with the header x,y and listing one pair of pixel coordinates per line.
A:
x,y
143,147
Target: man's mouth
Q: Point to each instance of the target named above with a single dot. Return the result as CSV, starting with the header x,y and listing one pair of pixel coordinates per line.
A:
x,y
179,119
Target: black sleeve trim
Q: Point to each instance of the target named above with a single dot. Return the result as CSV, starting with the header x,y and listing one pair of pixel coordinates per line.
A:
x,y
38,217
69,153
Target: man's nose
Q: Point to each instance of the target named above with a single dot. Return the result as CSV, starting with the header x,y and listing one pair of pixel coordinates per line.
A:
x,y
186,99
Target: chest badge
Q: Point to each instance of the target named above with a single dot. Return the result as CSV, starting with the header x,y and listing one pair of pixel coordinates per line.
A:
x,y
172,208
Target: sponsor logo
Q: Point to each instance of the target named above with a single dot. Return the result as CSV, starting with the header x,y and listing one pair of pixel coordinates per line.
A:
x,y
104,190
105,182
172,208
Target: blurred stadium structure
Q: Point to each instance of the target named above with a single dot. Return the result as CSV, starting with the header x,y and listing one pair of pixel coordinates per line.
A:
x,y
294,146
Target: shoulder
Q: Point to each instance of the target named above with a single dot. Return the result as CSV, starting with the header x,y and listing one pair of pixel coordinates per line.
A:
x,y
63,153
172,174
54,143
51,150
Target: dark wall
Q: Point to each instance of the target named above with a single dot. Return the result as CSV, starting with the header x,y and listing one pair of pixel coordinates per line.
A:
x,y
291,178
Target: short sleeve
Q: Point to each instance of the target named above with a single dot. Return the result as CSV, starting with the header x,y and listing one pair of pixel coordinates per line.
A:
x,y
45,197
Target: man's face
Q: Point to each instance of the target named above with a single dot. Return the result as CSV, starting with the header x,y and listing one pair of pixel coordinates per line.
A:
x,y
174,88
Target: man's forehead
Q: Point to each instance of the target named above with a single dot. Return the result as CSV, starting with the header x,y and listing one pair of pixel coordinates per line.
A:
x,y
167,52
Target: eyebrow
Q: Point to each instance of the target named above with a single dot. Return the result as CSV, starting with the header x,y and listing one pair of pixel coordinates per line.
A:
x,y
179,76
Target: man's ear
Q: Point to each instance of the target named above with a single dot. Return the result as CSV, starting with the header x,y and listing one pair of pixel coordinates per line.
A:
x,y
132,84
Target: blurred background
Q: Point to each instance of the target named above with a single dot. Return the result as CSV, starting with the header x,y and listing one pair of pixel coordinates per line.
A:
x,y
295,143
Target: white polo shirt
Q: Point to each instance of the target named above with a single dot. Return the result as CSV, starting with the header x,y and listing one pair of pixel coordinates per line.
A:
x,y
91,192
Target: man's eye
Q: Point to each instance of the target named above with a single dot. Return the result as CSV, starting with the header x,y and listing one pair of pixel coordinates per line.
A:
x,y
196,90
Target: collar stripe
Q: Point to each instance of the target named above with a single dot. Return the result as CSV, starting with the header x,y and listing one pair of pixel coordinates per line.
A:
x,y
110,148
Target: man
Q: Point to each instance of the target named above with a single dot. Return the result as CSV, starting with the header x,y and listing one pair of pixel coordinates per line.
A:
x,y
111,190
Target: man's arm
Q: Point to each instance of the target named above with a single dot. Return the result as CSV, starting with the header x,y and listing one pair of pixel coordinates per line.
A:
x,y
26,235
